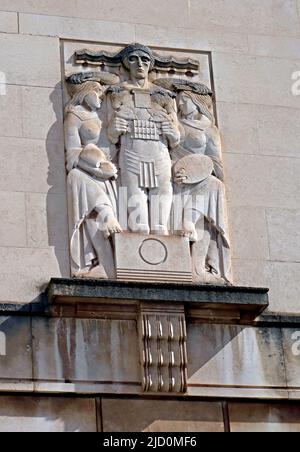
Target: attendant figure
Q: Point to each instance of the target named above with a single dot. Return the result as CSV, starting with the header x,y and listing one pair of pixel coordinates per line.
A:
x,y
199,153
92,192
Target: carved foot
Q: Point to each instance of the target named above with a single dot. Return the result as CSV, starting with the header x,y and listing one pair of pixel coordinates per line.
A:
x,y
189,230
95,273
209,278
140,229
112,227
160,230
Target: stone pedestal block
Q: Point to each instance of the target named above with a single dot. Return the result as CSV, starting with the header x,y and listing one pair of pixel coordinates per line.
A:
x,y
152,258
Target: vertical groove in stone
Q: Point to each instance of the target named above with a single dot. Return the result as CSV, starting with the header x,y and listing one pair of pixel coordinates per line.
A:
x,y
99,417
226,417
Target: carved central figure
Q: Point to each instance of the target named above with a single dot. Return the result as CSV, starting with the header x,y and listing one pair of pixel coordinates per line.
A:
x,y
143,124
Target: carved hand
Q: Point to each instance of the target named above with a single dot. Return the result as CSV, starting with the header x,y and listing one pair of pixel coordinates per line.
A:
x,y
171,133
106,171
181,177
118,127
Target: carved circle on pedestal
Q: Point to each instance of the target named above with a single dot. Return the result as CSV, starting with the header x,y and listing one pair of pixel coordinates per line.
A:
x,y
153,252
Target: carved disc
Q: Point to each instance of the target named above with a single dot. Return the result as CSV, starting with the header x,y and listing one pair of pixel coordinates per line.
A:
x,y
196,167
153,252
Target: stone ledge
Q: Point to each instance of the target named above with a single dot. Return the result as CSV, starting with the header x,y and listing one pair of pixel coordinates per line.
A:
x,y
114,299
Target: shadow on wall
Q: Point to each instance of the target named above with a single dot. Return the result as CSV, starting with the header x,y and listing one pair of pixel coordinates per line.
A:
x,y
232,355
57,210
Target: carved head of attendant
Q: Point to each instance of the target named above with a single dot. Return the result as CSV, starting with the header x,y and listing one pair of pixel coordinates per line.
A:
x,y
88,94
195,106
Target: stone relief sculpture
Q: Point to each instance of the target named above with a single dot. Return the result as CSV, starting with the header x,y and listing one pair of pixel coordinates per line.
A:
x,y
155,138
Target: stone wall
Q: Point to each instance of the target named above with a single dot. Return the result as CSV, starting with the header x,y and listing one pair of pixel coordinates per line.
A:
x,y
255,50
60,414
59,366
53,371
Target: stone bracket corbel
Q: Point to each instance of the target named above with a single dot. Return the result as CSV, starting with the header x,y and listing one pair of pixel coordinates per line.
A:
x,y
163,338
161,312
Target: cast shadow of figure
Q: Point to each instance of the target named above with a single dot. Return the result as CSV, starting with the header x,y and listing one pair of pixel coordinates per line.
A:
x,y
57,210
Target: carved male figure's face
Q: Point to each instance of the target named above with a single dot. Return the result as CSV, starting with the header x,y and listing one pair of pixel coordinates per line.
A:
x,y
138,64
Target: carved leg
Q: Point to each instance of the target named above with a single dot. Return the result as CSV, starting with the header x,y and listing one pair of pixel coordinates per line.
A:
x,y
191,218
102,248
199,252
107,221
160,207
138,210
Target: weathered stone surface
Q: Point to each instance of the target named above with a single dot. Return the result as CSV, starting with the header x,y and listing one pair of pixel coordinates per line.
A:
x,y
42,169
240,77
8,22
274,46
10,107
153,12
47,414
196,296
42,53
280,277
73,28
13,219
87,351
15,350
284,234
235,356
259,130
33,267
264,418
42,117
291,345
276,181
46,226
161,416
249,233
194,39
270,17
244,138
271,122
242,393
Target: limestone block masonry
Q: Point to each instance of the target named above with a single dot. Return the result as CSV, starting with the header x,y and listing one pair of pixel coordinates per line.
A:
x,y
149,196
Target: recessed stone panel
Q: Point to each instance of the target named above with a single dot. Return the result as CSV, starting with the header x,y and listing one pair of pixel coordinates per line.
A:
x,y
88,351
15,350
153,416
47,414
235,356
269,418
